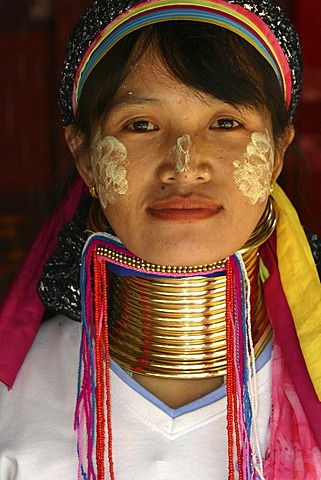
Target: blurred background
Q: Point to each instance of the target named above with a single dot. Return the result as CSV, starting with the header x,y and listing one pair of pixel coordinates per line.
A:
x,y
33,35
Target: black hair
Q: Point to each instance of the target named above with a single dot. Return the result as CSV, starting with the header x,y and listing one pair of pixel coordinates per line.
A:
x,y
207,58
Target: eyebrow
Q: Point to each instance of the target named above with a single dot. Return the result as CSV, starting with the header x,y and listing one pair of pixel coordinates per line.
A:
x,y
133,100
126,100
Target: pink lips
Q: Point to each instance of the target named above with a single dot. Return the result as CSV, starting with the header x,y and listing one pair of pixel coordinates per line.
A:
x,y
184,209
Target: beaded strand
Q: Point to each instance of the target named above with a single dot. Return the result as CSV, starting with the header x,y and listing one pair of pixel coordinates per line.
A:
x,y
240,370
86,401
107,361
99,391
102,363
230,377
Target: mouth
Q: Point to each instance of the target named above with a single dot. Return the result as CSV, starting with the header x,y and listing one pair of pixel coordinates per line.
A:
x,y
182,209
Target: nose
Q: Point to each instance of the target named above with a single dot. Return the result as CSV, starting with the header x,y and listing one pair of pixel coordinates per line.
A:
x,y
184,164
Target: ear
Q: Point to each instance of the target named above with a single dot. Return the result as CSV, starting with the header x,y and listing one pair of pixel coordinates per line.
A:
x,y
82,161
280,150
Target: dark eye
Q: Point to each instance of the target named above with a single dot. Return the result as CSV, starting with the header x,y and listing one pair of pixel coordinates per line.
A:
x,y
225,124
141,126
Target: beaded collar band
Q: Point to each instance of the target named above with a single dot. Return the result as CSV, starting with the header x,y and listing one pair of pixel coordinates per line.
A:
x,y
261,23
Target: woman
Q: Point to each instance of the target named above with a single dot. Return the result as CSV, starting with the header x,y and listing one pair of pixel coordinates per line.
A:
x,y
193,262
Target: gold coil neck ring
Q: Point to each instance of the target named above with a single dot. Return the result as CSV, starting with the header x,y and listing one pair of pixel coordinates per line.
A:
x,y
175,327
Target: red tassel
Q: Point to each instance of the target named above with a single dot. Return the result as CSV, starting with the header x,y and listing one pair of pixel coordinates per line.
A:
x,y
99,364
102,363
231,382
229,373
108,395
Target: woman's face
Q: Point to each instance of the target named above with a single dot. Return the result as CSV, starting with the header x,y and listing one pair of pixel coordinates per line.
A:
x,y
182,178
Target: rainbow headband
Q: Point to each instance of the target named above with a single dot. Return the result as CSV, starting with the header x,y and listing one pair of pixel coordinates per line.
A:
x,y
218,12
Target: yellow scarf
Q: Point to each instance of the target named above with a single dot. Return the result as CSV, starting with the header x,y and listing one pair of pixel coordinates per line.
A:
x,y
301,284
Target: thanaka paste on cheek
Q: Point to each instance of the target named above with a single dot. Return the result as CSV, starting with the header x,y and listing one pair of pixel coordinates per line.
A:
x,y
253,172
182,149
109,160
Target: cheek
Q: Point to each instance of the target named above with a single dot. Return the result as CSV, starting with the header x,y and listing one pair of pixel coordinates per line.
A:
x,y
253,172
109,161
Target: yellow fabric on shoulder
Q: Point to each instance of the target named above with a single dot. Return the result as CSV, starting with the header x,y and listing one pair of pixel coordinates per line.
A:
x,y
300,282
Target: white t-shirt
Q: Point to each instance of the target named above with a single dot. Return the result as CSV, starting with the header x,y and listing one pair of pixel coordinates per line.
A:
x,y
150,440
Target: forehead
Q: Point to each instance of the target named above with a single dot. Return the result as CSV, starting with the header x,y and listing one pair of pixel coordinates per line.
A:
x,y
149,80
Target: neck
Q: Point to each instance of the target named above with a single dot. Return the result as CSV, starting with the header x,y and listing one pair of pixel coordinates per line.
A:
x,y
177,392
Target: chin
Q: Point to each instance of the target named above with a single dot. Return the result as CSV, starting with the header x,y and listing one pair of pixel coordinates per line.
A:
x,y
184,248
186,256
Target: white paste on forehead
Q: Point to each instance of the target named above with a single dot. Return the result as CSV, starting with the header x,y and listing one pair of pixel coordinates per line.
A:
x,y
108,160
253,172
182,149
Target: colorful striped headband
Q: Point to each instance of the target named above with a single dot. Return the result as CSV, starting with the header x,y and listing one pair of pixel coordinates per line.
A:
x,y
261,23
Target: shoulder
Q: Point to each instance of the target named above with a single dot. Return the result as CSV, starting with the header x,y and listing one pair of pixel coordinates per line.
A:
x,y
55,347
